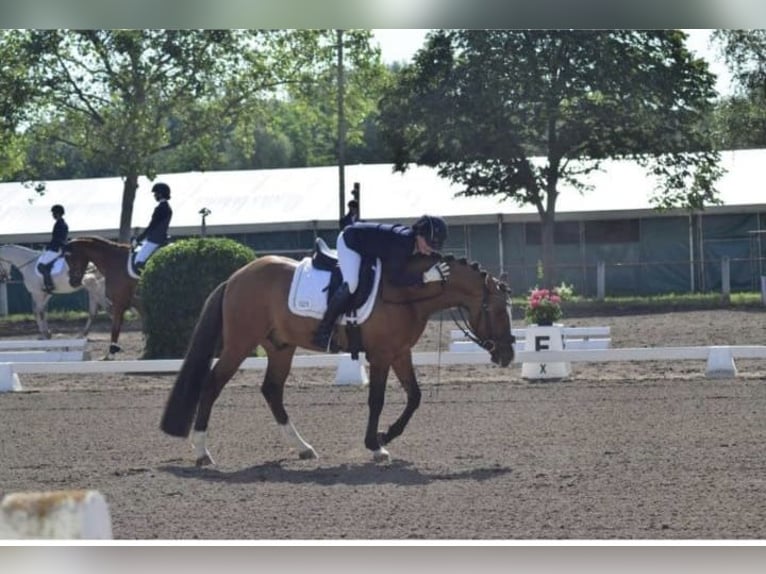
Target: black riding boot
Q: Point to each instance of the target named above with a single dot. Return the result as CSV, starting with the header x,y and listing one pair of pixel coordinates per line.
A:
x,y
45,269
335,306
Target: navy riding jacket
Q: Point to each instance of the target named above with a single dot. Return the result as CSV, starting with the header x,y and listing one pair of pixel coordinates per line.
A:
x,y
59,236
393,244
157,232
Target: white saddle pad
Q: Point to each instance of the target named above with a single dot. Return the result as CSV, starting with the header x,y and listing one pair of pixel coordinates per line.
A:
x,y
129,267
308,298
59,268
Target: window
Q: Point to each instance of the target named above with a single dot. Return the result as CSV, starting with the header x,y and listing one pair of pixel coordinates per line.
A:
x,y
565,233
612,231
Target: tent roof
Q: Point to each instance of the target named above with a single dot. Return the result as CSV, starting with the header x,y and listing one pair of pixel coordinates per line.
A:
x,y
296,198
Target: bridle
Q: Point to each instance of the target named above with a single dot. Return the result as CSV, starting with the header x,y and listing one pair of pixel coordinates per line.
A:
x,y
462,323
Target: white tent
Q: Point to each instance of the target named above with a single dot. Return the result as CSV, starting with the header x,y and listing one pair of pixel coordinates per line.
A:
x,y
304,197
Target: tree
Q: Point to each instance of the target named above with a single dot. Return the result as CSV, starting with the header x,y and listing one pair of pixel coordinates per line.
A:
x,y
514,113
310,118
742,117
16,91
128,96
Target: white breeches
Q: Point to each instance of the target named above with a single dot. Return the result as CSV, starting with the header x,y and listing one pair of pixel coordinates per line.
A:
x,y
147,248
349,262
48,256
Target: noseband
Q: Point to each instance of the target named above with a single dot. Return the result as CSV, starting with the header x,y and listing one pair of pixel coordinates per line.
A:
x,y
487,344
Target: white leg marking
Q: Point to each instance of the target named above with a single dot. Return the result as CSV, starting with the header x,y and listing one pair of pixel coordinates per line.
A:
x,y
199,439
381,455
305,450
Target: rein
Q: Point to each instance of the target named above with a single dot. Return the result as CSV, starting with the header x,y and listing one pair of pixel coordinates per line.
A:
x,y
459,318
21,266
6,275
417,300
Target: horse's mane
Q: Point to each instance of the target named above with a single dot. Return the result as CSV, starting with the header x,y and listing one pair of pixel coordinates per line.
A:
x,y
474,265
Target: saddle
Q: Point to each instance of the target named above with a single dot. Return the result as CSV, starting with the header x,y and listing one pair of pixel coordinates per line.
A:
x,y
318,277
59,267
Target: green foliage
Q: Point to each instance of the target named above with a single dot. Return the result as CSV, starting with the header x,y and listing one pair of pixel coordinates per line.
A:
x,y
122,100
740,120
175,283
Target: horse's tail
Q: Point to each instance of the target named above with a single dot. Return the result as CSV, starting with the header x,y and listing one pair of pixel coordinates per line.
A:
x,y
182,402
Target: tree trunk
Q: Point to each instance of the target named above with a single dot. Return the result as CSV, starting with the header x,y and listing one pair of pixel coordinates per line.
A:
x,y
126,214
547,224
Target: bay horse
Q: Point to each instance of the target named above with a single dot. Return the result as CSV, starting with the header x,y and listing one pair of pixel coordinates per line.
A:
x,y
25,260
251,308
111,259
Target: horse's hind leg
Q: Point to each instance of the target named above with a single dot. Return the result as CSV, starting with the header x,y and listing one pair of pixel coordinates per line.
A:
x,y
41,315
92,310
278,367
216,380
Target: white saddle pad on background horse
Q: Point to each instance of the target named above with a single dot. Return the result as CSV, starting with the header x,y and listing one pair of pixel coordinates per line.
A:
x,y
308,297
59,268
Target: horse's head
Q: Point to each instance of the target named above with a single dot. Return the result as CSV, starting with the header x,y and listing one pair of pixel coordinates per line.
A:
x,y
488,302
78,260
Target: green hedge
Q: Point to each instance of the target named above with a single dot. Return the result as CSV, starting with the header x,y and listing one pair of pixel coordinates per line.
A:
x,y
174,285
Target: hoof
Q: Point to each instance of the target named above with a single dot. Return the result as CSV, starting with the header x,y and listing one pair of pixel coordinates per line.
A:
x,y
308,454
206,460
381,455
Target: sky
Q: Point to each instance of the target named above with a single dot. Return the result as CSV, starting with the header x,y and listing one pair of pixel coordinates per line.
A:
x,y
401,44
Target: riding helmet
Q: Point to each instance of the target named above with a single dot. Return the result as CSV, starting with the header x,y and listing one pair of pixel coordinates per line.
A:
x,y
433,229
161,189
57,209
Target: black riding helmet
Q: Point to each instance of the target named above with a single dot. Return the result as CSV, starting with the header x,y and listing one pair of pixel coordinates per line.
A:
x,y
57,209
433,229
161,189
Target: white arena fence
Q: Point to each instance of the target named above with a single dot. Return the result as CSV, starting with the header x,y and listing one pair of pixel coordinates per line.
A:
x,y
43,350
574,338
719,362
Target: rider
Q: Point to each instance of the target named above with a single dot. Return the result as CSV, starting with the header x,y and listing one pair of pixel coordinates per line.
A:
x,y
352,215
55,247
393,244
156,234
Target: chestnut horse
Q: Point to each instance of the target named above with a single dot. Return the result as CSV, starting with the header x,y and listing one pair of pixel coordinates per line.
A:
x,y
251,308
111,259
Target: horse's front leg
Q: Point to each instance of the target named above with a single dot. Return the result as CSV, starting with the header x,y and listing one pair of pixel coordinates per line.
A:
x,y
375,400
273,390
118,315
405,372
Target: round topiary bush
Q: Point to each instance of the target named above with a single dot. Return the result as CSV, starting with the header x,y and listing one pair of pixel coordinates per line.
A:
x,y
174,285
